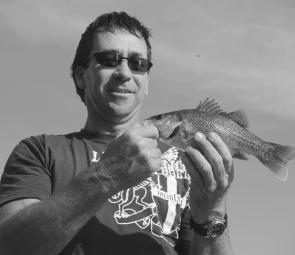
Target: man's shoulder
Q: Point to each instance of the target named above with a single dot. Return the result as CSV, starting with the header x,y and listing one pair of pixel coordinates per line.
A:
x,y
53,137
43,141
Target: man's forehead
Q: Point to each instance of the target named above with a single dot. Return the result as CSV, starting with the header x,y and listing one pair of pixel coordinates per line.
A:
x,y
119,40
118,30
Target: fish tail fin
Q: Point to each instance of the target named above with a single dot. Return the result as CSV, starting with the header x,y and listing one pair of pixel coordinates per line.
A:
x,y
276,159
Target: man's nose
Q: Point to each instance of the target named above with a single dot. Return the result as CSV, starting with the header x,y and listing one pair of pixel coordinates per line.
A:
x,y
123,71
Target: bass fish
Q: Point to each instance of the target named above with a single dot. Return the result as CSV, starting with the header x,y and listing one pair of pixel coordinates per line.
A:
x,y
177,128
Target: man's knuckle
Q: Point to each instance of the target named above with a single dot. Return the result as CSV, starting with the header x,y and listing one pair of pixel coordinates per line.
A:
x,y
228,160
128,137
206,170
223,184
212,187
219,162
140,143
158,152
143,151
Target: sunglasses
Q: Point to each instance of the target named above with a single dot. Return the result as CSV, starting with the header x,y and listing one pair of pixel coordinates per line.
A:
x,y
111,59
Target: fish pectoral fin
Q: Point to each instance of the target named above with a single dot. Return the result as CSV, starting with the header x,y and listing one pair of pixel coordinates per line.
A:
x,y
240,155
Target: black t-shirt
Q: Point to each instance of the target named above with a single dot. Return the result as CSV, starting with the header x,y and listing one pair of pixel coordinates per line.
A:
x,y
144,219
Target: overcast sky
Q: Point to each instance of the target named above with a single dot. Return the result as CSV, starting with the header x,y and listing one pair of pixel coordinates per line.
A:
x,y
242,53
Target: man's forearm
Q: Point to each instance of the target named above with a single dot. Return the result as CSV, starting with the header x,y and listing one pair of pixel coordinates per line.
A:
x,y
47,226
207,246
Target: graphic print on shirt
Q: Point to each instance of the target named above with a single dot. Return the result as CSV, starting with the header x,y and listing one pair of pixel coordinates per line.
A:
x,y
156,203
95,158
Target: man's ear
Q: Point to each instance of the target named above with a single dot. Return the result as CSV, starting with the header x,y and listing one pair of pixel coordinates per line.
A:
x,y
79,77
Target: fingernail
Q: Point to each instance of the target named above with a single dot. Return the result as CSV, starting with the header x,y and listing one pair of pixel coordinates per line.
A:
x,y
199,135
212,135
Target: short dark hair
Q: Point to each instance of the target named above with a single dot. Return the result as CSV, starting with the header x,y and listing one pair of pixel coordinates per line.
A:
x,y
108,22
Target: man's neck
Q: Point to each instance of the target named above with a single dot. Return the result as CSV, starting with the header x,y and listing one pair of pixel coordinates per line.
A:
x,y
106,127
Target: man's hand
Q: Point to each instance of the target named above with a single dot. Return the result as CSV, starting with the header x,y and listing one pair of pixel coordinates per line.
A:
x,y
130,158
211,170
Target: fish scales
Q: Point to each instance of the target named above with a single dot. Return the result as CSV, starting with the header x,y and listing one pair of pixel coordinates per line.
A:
x,y
237,137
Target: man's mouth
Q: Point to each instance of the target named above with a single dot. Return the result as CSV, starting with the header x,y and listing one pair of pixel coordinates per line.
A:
x,y
121,91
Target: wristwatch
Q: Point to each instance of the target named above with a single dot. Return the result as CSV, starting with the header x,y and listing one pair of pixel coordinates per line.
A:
x,y
213,228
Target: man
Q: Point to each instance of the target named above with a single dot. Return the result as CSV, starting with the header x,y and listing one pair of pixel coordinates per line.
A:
x,y
111,188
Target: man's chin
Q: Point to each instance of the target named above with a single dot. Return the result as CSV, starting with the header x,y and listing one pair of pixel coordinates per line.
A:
x,y
123,114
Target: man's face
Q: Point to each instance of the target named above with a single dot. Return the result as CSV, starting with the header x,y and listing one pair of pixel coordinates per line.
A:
x,y
115,94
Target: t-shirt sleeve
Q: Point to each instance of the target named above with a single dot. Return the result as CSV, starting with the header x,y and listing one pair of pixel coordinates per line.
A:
x,y
25,174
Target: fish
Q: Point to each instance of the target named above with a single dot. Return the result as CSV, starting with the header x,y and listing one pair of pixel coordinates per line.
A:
x,y
177,128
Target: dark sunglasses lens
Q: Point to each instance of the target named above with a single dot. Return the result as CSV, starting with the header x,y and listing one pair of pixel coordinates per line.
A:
x,y
138,64
107,59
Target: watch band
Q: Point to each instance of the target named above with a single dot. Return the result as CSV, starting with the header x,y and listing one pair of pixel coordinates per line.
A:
x,y
213,228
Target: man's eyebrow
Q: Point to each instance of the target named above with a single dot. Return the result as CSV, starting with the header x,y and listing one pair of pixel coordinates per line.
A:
x,y
131,54
111,50
136,54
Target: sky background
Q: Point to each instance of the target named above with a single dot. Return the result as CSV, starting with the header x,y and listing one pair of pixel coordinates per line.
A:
x,y
242,53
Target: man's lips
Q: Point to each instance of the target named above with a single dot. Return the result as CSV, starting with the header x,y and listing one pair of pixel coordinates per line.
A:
x,y
121,90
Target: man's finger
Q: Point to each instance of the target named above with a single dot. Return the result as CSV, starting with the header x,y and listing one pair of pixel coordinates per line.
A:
x,y
223,150
150,143
202,166
211,154
149,132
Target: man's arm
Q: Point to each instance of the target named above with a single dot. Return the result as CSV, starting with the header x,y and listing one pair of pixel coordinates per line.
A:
x,y
218,246
45,227
211,170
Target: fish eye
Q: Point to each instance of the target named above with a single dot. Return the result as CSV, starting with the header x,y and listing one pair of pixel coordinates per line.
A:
x,y
158,117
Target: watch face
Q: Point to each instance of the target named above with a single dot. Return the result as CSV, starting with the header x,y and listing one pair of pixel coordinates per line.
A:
x,y
216,229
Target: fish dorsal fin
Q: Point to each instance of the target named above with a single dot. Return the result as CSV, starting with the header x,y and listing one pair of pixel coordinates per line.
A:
x,y
210,106
239,117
